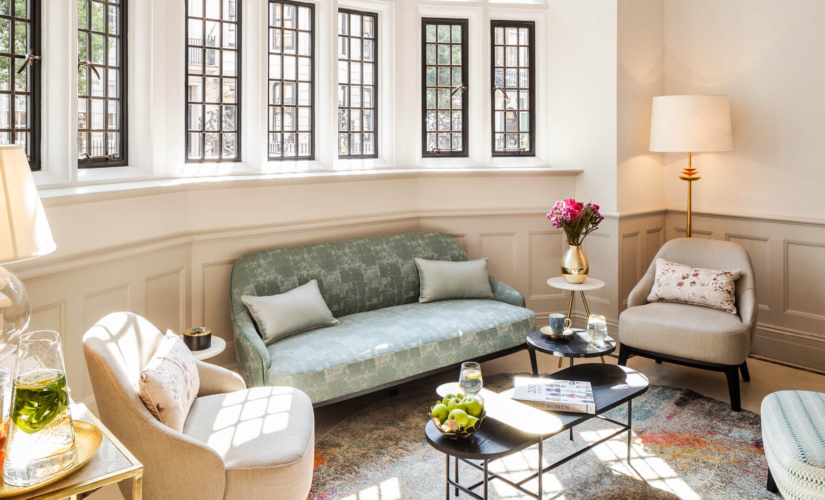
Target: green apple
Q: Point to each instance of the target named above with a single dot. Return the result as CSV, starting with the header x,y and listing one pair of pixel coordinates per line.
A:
x,y
472,423
474,407
460,417
447,398
456,404
459,396
440,412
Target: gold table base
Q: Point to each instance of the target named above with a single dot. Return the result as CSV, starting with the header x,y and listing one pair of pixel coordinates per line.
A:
x,y
570,311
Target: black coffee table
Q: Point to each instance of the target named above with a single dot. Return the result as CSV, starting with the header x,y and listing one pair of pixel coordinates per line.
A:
x,y
573,346
511,426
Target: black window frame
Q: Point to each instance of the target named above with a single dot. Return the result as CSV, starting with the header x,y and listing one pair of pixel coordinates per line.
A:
x,y
238,86
312,85
349,108
33,8
531,26
123,86
465,71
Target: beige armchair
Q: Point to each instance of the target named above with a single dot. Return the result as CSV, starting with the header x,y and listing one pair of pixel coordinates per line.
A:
x,y
237,443
689,335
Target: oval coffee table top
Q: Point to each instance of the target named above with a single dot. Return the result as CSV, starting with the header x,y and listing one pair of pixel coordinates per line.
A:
x,y
588,285
511,426
574,346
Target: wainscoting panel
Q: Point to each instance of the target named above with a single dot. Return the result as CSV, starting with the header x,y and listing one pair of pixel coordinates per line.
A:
x,y
215,299
500,248
166,301
788,257
545,250
631,262
50,317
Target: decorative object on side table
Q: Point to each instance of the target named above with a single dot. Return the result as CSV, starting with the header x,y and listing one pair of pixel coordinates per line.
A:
x,y
198,338
577,219
690,124
24,235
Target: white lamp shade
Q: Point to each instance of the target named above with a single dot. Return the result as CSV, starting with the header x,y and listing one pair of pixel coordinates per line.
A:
x,y
24,230
690,124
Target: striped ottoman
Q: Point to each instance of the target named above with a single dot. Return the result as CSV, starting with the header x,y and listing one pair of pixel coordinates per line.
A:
x,y
793,432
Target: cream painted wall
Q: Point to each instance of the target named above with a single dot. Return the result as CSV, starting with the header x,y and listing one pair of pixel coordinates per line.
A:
x,y
640,77
767,56
582,95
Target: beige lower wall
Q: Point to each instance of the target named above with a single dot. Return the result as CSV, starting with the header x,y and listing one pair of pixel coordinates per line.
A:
x,y
183,281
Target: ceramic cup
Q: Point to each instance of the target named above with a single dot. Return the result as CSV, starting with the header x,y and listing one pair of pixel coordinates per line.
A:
x,y
558,323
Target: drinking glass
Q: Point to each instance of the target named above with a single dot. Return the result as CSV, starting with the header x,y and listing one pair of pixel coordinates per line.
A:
x,y
597,329
40,437
470,380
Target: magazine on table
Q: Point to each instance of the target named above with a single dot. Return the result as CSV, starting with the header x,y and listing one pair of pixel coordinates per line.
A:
x,y
555,395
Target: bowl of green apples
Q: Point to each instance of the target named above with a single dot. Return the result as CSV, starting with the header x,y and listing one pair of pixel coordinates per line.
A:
x,y
458,416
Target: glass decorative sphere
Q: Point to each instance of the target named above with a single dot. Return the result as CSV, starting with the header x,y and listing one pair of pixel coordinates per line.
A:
x,y
15,309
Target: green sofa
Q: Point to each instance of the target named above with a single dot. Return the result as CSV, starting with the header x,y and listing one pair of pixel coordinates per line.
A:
x,y
385,337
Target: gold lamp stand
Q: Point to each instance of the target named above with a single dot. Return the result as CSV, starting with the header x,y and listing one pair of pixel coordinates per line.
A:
x,y
689,175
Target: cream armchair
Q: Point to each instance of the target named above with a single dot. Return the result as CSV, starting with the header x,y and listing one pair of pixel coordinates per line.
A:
x,y
237,443
689,335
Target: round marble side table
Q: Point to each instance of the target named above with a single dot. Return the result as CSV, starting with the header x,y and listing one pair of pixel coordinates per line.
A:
x,y
589,285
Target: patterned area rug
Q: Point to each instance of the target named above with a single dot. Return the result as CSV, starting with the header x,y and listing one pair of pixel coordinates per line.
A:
x,y
684,446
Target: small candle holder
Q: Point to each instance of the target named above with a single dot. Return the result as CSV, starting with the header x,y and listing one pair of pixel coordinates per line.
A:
x,y
198,338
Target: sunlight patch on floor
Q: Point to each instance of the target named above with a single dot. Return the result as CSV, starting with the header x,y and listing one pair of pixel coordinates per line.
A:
x,y
387,490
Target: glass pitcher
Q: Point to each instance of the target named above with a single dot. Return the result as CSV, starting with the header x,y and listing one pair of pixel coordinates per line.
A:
x,y
41,437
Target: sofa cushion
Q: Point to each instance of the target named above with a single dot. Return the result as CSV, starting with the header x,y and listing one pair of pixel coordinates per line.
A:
x,y
793,423
265,436
686,331
377,347
446,280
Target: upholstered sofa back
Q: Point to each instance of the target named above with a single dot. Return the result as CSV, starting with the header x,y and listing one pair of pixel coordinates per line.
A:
x,y
354,275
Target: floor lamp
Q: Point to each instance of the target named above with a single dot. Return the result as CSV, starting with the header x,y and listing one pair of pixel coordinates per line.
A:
x,y
690,124
24,235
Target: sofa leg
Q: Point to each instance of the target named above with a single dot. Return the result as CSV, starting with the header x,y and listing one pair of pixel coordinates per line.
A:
x,y
624,354
746,376
732,373
771,484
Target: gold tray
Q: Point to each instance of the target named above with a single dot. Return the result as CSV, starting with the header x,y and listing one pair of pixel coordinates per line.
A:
x,y
87,439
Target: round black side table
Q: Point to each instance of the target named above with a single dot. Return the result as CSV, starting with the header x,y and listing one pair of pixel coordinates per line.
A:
x,y
573,346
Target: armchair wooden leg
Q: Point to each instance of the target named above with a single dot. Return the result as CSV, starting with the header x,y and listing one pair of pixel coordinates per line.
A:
x,y
624,354
771,486
732,373
746,376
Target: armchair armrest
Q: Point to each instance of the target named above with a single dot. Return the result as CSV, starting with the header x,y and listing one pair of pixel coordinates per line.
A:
x,y
253,358
505,293
638,296
748,309
217,380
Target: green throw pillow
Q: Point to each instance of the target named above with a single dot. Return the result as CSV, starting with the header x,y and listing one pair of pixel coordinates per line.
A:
x,y
443,280
295,311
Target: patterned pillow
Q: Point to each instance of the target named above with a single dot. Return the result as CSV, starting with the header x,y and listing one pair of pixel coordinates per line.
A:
x,y
693,285
170,383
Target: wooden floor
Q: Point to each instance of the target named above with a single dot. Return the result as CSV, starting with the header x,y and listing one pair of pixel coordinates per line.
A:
x,y
766,377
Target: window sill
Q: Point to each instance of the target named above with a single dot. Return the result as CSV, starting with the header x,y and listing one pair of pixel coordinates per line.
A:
x,y
63,196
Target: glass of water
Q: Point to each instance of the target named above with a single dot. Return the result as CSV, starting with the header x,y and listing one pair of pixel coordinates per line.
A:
x,y
470,380
597,329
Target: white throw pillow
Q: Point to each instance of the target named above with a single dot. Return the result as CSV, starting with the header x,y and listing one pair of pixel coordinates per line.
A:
x,y
285,314
443,280
693,285
170,383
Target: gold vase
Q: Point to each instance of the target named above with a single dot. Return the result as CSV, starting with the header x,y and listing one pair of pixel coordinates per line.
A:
x,y
574,266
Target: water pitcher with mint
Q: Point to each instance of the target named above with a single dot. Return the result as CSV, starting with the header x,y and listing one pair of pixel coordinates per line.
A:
x,y
41,437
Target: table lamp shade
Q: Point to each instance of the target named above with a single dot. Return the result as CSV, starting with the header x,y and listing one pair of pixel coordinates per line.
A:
x,y
24,230
690,124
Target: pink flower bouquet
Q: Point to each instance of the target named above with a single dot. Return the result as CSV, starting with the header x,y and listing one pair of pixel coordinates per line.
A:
x,y
576,218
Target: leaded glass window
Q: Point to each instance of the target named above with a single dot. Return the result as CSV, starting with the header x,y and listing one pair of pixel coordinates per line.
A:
x,y
213,80
513,47
357,84
101,83
291,81
445,87
18,95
